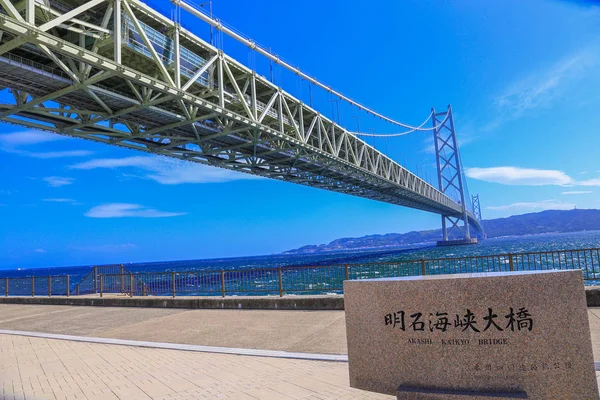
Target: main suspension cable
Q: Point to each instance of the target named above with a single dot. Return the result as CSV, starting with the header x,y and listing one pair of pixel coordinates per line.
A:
x,y
419,128
194,9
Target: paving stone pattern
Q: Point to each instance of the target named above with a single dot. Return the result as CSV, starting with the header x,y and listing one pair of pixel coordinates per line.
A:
x,y
38,368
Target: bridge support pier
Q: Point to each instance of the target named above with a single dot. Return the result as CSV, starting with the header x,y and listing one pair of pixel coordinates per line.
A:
x,y
457,242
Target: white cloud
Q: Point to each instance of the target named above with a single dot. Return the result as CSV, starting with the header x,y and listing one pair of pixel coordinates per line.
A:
x,y
13,143
527,177
58,181
577,192
41,251
167,171
121,210
60,200
429,149
16,139
520,176
590,182
542,87
57,154
534,206
136,161
106,248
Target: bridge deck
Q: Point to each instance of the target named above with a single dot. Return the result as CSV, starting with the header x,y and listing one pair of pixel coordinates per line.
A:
x,y
175,95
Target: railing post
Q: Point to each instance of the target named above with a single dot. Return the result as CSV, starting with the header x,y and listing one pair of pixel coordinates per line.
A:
x,y
130,285
173,283
68,287
6,287
95,280
144,289
510,262
49,286
101,285
122,279
423,271
32,286
280,282
77,290
222,283
347,273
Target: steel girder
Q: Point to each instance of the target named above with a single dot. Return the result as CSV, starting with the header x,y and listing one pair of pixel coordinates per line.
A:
x,y
69,77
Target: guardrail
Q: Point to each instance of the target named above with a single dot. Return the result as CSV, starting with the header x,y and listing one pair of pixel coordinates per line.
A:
x,y
90,284
35,285
329,279
293,280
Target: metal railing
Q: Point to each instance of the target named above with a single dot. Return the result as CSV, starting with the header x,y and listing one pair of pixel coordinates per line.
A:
x,y
293,280
90,284
588,260
329,279
59,285
35,285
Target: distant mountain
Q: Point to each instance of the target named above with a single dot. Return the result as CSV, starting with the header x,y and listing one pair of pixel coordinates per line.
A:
x,y
551,221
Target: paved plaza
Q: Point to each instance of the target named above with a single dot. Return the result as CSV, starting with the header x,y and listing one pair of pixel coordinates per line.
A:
x,y
301,331
37,368
42,368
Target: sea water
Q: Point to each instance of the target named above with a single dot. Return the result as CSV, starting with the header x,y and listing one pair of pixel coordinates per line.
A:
x,y
520,244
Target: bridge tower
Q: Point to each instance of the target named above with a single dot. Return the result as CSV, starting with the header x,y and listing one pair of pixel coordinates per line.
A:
x,y
450,177
477,212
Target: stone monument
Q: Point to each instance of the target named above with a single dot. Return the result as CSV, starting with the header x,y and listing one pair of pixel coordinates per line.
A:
x,y
471,336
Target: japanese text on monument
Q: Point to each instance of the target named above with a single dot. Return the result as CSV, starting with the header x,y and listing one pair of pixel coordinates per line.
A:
x,y
519,319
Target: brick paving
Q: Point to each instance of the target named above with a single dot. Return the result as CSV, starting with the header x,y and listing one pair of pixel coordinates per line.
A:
x,y
39,368
34,368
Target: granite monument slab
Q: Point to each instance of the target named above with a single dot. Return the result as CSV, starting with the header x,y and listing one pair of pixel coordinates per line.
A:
x,y
500,335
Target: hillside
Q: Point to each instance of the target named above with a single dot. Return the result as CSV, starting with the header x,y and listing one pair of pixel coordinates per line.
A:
x,y
551,221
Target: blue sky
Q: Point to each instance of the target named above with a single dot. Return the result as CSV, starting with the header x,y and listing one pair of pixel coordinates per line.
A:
x,y
523,79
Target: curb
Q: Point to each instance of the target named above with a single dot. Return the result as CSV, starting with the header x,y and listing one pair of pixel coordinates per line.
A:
x,y
185,347
304,302
227,303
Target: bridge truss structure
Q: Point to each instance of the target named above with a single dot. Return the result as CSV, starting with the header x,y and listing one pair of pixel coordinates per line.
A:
x,y
121,73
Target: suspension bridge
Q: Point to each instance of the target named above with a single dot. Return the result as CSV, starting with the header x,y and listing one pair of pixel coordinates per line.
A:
x,y
120,72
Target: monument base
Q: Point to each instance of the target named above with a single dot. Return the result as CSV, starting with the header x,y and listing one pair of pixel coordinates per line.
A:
x,y
457,242
414,393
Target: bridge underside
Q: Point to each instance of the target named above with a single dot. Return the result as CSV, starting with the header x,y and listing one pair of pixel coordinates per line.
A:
x,y
219,113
